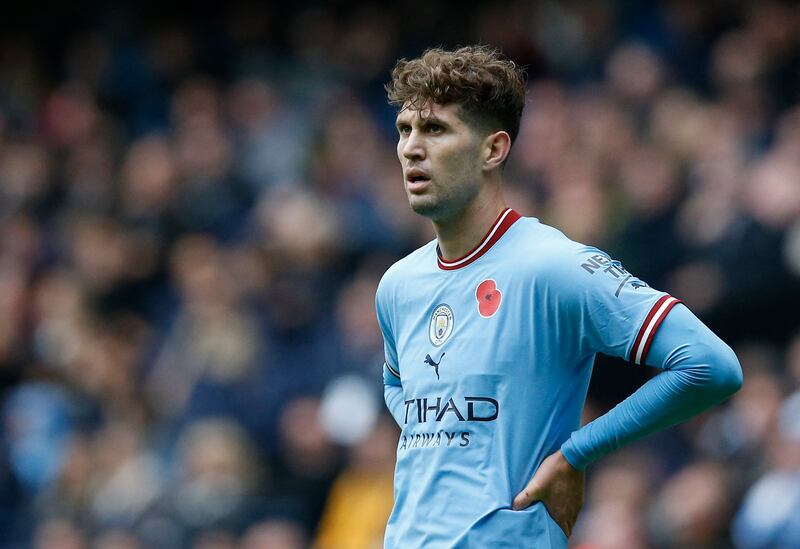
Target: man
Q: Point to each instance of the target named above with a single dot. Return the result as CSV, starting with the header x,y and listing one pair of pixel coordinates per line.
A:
x,y
491,330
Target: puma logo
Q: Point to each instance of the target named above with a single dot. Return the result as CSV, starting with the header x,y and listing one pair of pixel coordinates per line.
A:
x,y
429,361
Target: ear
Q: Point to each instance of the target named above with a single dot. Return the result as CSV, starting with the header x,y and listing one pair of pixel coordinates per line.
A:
x,y
496,147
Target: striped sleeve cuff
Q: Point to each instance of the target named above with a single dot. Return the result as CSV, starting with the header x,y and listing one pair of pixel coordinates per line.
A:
x,y
393,371
647,332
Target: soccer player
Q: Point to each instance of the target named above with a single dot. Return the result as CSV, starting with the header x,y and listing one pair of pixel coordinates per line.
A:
x,y
491,330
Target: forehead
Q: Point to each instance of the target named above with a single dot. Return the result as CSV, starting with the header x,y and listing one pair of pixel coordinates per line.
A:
x,y
431,111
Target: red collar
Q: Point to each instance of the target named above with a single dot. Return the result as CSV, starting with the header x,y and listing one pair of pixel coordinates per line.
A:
x,y
506,218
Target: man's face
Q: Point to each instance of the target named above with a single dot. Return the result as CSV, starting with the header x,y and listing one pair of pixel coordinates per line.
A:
x,y
441,159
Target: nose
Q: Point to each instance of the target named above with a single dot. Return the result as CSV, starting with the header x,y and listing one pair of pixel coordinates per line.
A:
x,y
412,147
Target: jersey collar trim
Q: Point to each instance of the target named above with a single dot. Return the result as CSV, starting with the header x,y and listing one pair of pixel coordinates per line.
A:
x,y
503,222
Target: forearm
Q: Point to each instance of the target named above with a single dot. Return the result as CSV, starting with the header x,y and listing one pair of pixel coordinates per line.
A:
x,y
699,371
393,395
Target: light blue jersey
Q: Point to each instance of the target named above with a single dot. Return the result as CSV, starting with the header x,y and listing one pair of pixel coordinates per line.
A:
x,y
488,360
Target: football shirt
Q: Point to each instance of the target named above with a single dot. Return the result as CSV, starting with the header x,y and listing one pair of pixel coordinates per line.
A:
x,y
490,358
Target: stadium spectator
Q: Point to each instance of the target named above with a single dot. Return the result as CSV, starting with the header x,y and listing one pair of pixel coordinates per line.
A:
x,y
256,137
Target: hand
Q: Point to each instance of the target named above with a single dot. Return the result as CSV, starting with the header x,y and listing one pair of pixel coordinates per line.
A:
x,y
559,486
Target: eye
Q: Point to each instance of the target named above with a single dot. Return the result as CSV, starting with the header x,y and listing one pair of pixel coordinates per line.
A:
x,y
404,129
434,128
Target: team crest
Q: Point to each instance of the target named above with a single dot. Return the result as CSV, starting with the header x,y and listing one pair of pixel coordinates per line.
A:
x,y
441,324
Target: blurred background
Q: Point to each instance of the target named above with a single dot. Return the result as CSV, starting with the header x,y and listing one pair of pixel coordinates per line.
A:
x,y
196,204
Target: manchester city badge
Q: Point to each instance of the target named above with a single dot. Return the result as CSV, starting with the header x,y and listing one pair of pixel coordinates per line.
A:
x,y
441,324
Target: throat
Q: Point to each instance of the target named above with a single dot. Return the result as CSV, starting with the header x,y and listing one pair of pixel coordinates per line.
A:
x,y
458,237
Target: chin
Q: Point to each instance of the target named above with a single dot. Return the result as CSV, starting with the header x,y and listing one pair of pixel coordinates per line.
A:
x,y
427,208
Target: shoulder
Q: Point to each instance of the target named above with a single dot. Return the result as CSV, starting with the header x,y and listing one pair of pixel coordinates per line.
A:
x,y
564,270
406,269
549,251
417,262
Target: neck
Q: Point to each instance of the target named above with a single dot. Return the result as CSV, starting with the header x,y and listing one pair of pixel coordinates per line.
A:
x,y
460,234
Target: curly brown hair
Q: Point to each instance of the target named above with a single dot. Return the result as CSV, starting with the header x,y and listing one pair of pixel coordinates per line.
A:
x,y
489,88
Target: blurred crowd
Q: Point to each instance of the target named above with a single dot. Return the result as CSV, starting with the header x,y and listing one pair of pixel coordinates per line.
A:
x,y
196,205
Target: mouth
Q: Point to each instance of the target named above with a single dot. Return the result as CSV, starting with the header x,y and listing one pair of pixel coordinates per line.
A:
x,y
417,181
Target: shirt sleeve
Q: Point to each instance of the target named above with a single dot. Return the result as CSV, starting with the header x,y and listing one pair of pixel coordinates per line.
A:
x,y
392,386
615,312
700,370
601,307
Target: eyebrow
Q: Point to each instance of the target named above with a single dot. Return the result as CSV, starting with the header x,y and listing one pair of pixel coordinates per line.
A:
x,y
427,120
433,120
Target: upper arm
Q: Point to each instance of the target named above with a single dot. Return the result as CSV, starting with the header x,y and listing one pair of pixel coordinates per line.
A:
x,y
684,343
384,309
608,309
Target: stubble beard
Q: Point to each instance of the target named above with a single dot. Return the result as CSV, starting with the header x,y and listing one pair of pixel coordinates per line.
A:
x,y
439,207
